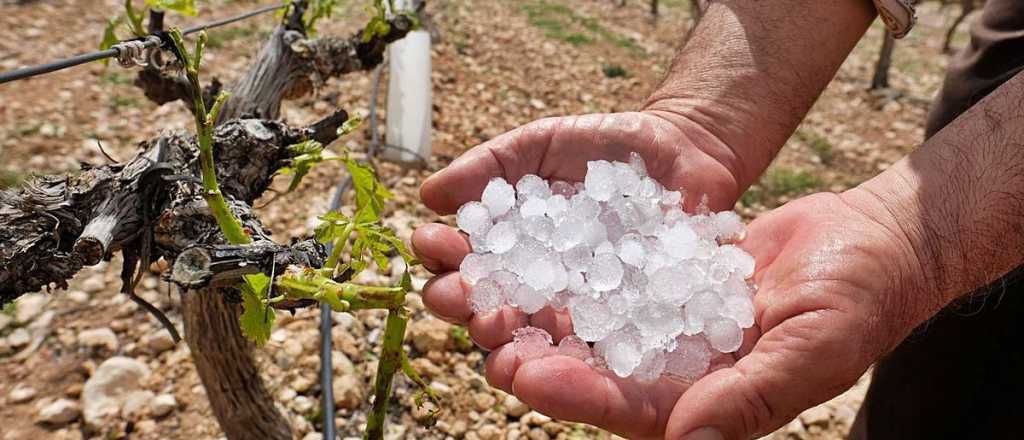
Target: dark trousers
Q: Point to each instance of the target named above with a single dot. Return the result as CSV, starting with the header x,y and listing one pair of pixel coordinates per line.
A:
x,y
961,375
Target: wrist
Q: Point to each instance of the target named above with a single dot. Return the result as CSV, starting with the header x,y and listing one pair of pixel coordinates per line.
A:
x,y
718,131
909,264
723,183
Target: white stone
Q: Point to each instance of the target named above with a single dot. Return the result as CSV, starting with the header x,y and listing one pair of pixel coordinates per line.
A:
x,y
60,412
98,338
27,307
21,394
105,392
162,405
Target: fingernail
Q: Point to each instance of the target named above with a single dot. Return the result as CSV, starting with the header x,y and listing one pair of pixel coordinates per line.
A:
x,y
705,433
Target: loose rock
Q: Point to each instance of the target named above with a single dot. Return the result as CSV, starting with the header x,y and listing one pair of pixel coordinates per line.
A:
x,y
58,413
19,338
29,306
348,392
98,338
105,392
21,394
162,405
515,407
819,415
430,334
136,405
94,283
159,341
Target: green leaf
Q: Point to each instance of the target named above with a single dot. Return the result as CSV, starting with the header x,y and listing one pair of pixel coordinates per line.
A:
x,y
370,194
134,19
350,125
317,10
110,35
331,227
257,317
184,7
378,26
306,155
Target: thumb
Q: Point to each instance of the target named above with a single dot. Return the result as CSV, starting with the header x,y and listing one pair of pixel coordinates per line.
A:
x,y
797,364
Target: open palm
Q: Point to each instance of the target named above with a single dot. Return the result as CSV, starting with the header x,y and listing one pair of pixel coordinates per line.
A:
x,y
820,305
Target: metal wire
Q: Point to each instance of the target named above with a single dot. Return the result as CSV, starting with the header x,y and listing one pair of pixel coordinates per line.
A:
x,y
117,50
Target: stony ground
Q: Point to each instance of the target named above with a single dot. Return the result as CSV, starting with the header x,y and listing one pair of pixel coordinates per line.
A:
x,y
87,363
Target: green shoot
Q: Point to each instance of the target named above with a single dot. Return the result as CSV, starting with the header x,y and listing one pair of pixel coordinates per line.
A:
x,y
425,391
308,153
132,19
183,7
257,317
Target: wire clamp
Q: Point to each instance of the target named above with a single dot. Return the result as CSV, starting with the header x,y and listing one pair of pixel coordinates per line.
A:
x,y
135,52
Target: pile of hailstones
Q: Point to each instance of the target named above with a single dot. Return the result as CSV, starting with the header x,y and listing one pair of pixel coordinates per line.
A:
x,y
657,291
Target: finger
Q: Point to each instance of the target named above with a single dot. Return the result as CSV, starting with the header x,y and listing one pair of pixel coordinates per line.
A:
x,y
500,367
553,148
510,155
556,322
802,362
566,388
441,248
446,296
494,329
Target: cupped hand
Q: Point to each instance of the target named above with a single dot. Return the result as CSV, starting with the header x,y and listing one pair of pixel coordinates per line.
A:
x,y
829,289
838,287
678,152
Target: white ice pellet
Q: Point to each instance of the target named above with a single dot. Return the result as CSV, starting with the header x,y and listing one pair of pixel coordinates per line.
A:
x,y
724,335
528,299
568,234
631,250
531,343
605,272
477,266
600,180
498,197
657,290
556,206
739,260
739,309
486,296
574,347
502,237
531,186
534,207
474,218
621,352
729,225
540,273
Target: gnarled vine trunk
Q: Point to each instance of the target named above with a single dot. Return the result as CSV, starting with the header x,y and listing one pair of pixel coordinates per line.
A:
x,y
151,207
287,66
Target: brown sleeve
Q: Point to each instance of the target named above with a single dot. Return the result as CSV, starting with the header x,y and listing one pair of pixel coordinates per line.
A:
x,y
994,55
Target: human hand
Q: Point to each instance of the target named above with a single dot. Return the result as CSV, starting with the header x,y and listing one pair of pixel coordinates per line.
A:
x,y
837,290
679,153
838,287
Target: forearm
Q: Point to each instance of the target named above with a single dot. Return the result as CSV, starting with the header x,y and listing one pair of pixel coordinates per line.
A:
x,y
956,205
752,70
